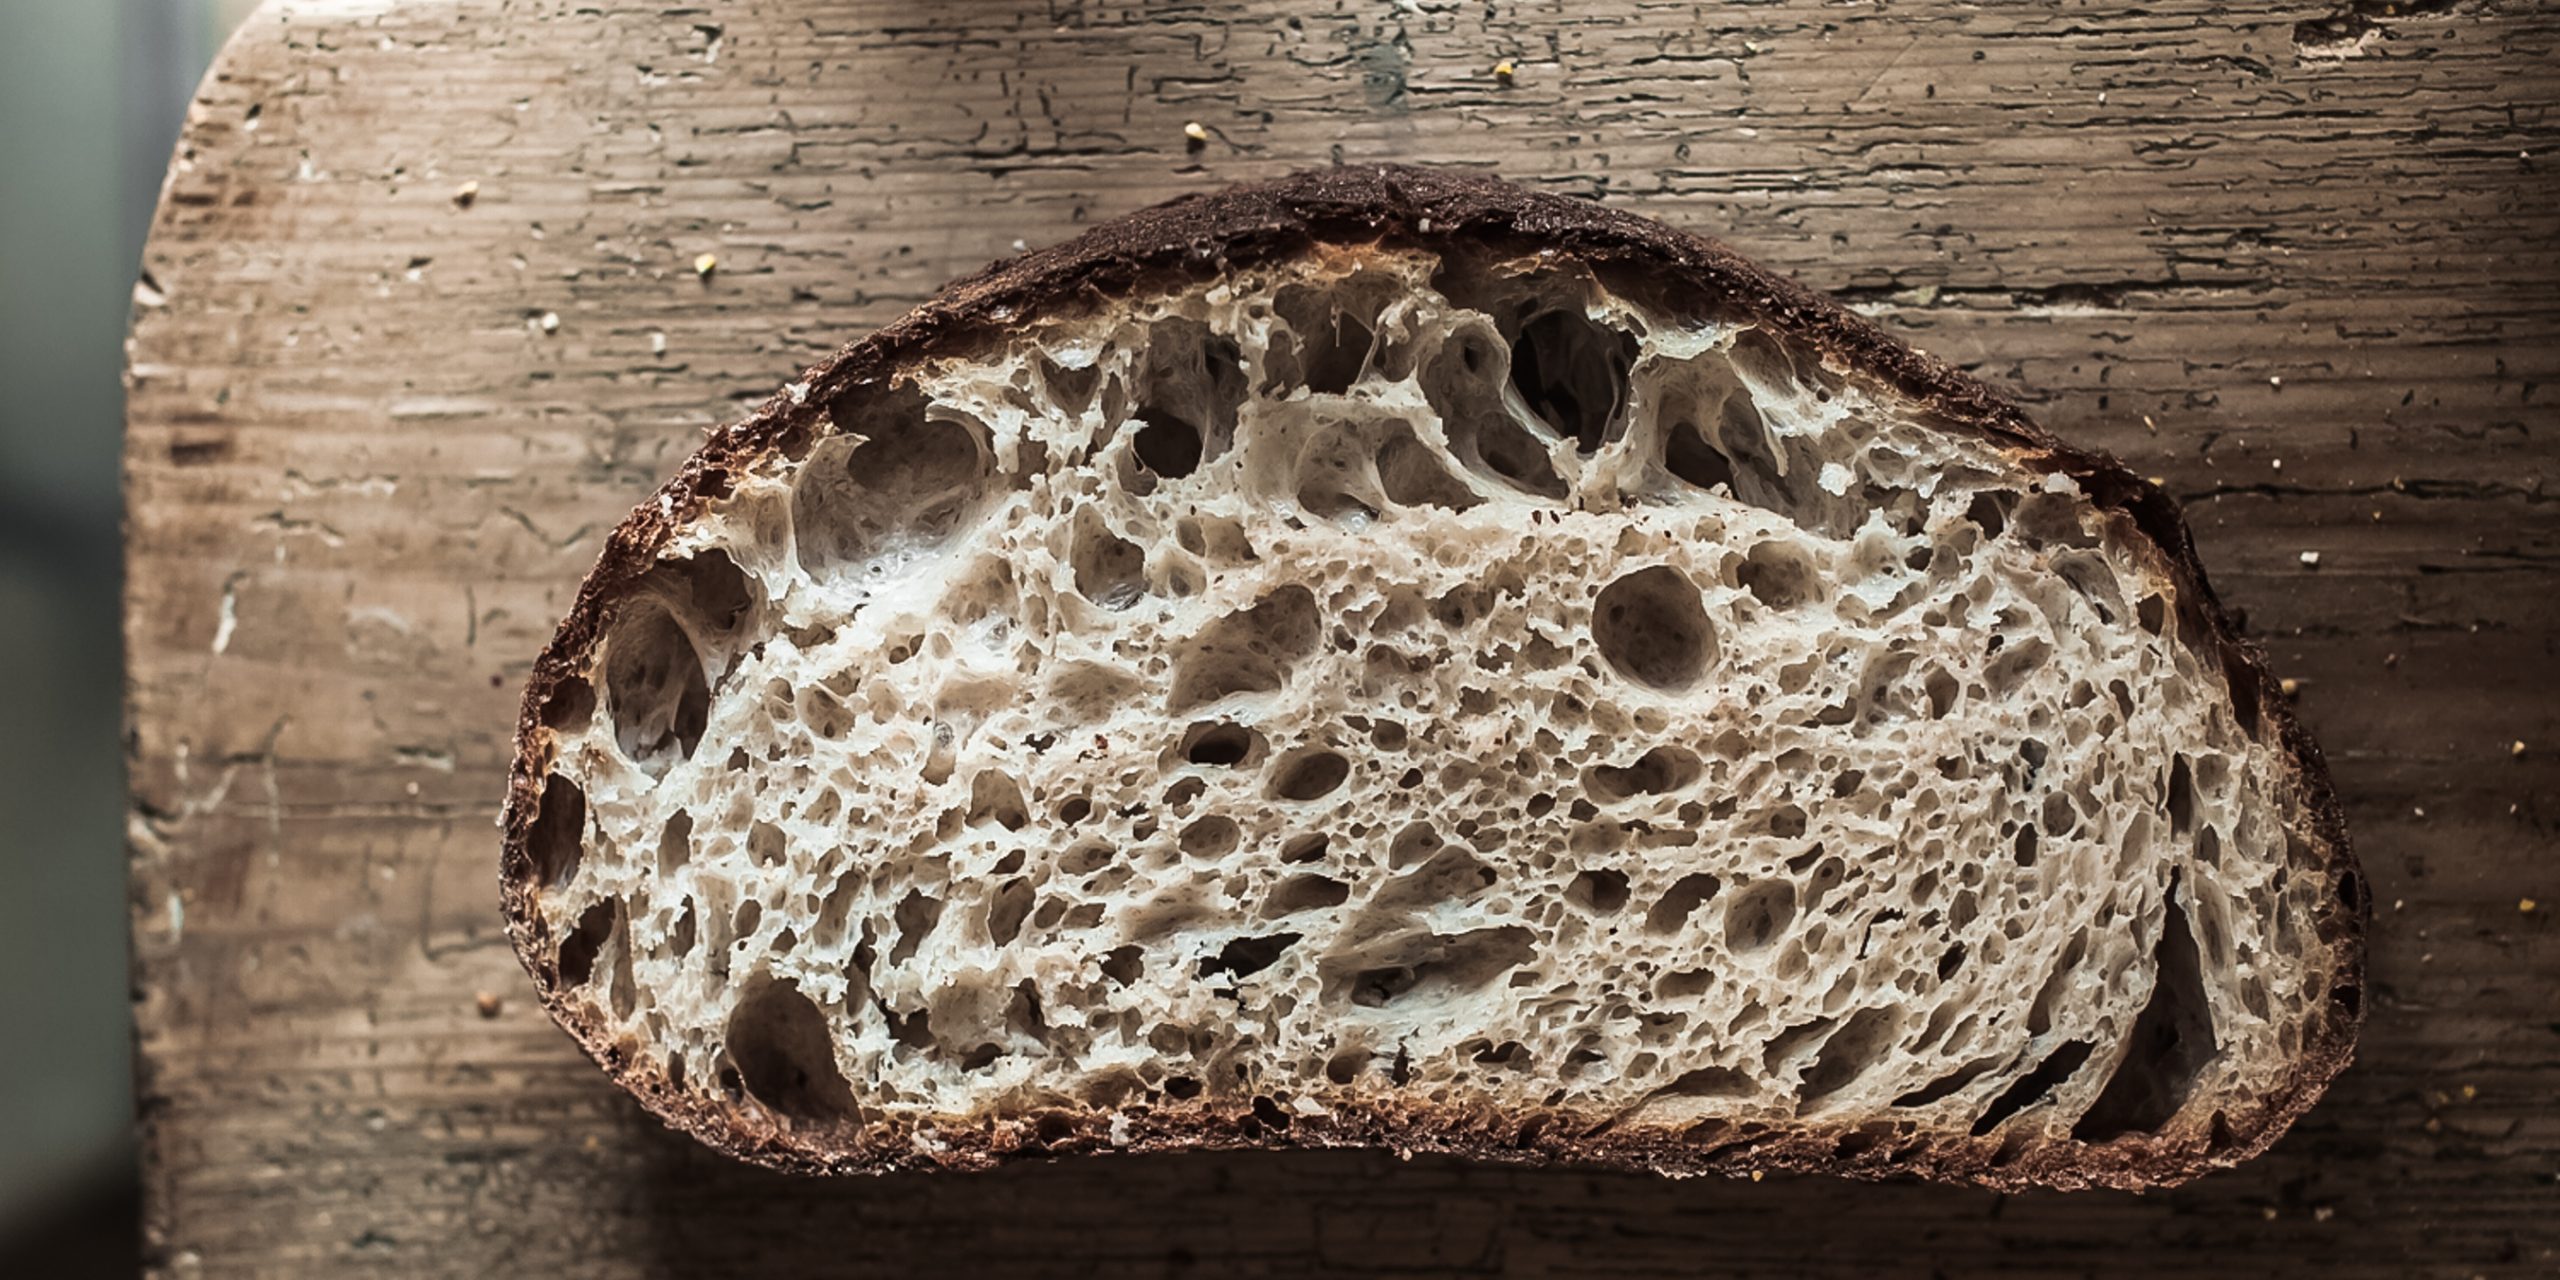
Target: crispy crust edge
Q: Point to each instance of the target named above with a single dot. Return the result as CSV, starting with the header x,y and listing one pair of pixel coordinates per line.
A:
x,y
1197,237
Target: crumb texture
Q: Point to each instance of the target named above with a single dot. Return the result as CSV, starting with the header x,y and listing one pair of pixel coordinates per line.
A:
x,y
1387,676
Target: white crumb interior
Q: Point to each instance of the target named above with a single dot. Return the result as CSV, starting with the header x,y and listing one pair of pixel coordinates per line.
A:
x,y
1373,677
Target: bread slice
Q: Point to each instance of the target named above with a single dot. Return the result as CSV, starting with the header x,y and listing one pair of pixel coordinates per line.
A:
x,y
1385,658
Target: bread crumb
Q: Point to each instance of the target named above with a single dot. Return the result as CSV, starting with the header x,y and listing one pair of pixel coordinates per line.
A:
x,y
2470,1091
2149,425
466,193
2310,559
2516,748
2418,810
1757,1175
706,263
2289,687
1504,70
2323,1213
550,322
2268,1213
2276,463
1196,133
2399,904
2527,905
2158,482
488,1003
657,344
2276,382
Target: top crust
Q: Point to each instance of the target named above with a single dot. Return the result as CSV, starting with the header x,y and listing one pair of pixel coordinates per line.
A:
x,y
1197,238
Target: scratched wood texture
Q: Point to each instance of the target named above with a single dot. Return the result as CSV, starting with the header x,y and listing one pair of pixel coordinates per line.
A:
x,y
2300,263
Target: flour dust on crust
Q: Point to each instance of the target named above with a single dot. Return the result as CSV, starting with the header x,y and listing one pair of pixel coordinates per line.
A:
x,y
1424,691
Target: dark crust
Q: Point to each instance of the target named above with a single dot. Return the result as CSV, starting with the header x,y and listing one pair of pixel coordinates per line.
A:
x,y
1198,237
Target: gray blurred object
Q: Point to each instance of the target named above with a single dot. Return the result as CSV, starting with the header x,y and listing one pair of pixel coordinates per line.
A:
x,y
93,94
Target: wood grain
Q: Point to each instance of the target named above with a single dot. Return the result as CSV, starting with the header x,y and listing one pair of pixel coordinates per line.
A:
x,y
2299,262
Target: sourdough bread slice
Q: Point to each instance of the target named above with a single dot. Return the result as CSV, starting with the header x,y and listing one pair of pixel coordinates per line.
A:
x,y
1385,658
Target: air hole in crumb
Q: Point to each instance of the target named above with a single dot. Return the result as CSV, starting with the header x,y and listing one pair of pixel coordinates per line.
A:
x,y
2032,1087
1251,651
1244,957
1110,570
1483,434
1684,984
1434,964
1572,373
571,706
915,917
1411,845
890,475
1214,836
1680,901
1182,1088
578,950
1690,455
1217,743
2171,1042
2182,796
1269,1113
1658,771
1779,575
1085,858
558,833
1007,910
1310,773
1305,848
1787,821
1759,914
765,844
1123,964
785,1055
1410,475
1990,510
1850,1052
655,687
1306,893
1598,892
1651,627
994,797
675,843
1166,445
680,938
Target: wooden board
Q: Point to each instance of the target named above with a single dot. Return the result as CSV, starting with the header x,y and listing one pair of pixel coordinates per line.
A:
x,y
2302,265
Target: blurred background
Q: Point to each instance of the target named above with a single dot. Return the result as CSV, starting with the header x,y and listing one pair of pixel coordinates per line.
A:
x,y
92,93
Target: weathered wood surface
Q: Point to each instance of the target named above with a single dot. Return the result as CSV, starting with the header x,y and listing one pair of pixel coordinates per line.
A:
x,y
2301,264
